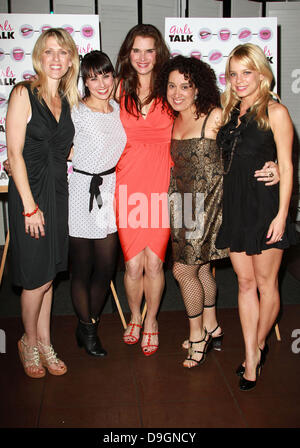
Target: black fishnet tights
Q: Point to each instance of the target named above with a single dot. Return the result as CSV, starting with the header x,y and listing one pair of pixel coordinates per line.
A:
x,y
197,285
93,263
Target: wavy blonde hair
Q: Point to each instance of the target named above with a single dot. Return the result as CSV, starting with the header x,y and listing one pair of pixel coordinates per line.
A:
x,y
253,57
68,83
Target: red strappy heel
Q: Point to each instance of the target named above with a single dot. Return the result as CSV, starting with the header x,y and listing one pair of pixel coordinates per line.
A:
x,y
145,347
130,335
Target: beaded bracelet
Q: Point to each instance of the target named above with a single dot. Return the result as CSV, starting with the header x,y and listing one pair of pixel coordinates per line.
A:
x,y
32,213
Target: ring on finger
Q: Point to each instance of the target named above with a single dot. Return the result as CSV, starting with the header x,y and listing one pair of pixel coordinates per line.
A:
x,y
270,174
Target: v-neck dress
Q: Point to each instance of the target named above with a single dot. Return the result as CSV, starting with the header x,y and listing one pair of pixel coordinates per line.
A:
x,y
46,147
143,176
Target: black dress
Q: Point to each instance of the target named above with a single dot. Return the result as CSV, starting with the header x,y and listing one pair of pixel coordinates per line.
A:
x,y
47,144
248,205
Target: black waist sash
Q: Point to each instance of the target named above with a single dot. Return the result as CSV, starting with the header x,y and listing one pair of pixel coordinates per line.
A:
x,y
96,181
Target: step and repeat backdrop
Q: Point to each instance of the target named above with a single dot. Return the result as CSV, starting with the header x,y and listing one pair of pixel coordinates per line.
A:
x,y
18,34
212,39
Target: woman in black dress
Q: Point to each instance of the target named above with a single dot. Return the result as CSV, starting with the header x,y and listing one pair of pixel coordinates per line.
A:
x,y
255,225
39,133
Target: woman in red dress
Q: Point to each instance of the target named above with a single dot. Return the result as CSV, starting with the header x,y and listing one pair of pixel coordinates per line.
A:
x,y
143,175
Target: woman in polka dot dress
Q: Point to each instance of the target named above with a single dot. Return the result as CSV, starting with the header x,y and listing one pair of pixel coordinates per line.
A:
x,y
98,144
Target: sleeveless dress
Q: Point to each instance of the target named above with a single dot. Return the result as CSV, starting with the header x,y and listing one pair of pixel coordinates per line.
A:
x,y
98,144
195,194
46,147
248,205
143,177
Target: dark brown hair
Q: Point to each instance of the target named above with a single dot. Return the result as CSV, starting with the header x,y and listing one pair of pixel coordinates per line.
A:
x,y
127,75
199,74
93,63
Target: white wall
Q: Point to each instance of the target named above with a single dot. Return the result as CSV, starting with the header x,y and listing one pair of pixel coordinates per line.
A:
x,y
155,11
74,6
27,6
205,8
116,18
288,16
245,8
3,6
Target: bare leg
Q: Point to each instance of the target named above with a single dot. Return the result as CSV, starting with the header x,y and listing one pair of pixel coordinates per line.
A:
x,y
248,309
154,282
134,287
266,266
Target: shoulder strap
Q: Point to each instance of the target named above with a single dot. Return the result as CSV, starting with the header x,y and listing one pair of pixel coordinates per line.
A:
x,y
204,123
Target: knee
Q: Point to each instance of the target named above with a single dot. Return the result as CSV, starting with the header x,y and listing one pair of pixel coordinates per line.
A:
x,y
181,274
153,267
246,284
134,270
266,283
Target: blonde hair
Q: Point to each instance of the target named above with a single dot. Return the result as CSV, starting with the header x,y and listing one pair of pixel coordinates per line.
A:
x,y
68,83
253,57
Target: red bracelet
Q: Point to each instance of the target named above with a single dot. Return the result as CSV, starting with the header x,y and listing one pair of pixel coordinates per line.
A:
x,y
30,214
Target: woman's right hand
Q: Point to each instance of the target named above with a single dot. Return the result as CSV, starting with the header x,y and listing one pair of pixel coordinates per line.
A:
x,y
34,225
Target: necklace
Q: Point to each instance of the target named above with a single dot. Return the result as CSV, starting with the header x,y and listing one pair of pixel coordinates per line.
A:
x,y
225,172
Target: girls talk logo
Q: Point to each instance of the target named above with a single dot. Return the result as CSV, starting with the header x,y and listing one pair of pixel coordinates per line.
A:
x,y
178,34
6,31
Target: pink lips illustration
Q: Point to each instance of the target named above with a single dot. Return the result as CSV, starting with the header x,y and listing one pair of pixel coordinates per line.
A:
x,y
224,34
205,34
265,34
18,54
2,54
26,31
27,75
175,53
87,31
196,54
2,147
222,79
2,101
68,28
45,28
215,56
244,34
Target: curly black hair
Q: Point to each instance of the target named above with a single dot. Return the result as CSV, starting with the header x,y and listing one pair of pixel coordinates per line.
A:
x,y
200,74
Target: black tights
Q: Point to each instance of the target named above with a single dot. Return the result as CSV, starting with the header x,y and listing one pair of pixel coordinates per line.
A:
x,y
93,264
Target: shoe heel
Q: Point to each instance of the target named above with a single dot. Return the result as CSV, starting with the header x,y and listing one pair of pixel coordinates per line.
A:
x,y
217,342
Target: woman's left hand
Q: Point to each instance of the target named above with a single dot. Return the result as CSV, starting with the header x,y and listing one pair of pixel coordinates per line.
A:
x,y
276,230
268,174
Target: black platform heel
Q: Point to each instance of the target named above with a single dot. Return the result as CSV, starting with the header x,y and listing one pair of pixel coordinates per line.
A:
x,y
86,336
245,384
216,342
263,356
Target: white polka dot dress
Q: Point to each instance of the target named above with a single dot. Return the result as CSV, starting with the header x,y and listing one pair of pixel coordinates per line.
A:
x,y
98,144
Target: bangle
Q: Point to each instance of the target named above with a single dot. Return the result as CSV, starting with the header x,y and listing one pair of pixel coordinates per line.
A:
x,y
32,213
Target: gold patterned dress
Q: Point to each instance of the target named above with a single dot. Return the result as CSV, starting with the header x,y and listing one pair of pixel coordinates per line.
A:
x,y
195,195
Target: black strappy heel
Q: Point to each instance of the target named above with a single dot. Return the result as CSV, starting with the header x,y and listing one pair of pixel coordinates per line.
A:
x,y
191,350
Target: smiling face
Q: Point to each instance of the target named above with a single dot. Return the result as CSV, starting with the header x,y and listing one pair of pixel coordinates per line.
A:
x,y
100,85
143,55
244,81
180,92
55,59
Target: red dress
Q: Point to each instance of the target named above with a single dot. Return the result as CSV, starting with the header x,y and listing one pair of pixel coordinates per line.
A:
x,y
142,181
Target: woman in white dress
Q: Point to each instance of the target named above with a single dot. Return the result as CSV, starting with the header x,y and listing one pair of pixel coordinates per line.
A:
x,y
98,144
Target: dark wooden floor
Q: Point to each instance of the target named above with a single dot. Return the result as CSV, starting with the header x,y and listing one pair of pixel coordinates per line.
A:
x,y
128,390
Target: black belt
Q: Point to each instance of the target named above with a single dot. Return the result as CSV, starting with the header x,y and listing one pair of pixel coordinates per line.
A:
x,y
96,181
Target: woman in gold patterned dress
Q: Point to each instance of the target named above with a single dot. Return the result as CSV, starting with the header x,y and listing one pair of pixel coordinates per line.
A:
x,y
189,87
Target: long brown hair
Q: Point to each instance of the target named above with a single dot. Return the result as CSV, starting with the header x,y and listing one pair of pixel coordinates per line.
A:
x,y
127,75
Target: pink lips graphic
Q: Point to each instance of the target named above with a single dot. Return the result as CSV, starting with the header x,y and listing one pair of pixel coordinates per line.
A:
x,y
2,147
244,34
2,54
205,34
175,53
26,30
196,54
224,34
222,79
68,28
45,28
87,31
265,34
18,54
27,75
2,101
215,56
